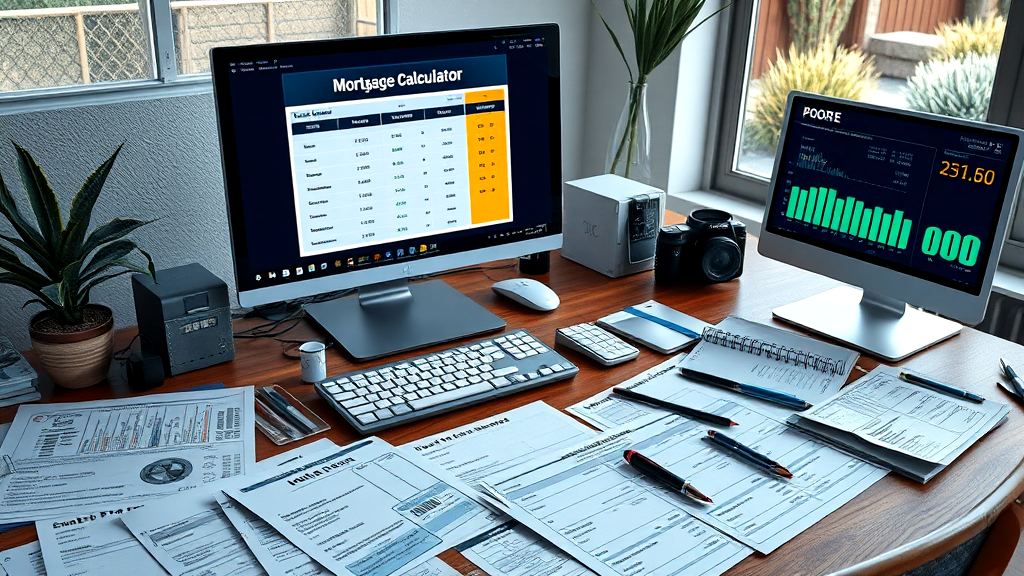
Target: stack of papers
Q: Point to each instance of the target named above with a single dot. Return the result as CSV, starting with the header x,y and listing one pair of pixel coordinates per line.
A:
x,y
908,428
167,485
18,380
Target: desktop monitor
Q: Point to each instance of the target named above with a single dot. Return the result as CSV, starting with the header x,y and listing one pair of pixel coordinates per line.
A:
x,y
909,208
364,162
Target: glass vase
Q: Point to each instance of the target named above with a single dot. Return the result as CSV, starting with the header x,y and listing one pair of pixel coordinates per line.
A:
x,y
629,152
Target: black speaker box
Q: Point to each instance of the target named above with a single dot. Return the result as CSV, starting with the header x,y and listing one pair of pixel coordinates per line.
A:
x,y
185,317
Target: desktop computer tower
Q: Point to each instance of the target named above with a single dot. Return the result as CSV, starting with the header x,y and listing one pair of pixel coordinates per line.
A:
x,y
185,317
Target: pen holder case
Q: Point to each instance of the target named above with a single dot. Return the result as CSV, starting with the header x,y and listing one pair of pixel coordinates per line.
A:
x,y
288,433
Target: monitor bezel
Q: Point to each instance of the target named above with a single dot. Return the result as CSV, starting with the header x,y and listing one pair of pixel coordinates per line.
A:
x,y
948,301
220,58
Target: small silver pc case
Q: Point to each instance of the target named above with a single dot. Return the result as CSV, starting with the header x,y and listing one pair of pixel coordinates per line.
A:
x,y
610,224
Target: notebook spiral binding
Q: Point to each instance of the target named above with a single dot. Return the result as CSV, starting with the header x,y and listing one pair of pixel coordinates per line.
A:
x,y
773,351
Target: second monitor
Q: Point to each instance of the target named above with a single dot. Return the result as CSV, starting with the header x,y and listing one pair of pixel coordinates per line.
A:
x,y
910,207
364,162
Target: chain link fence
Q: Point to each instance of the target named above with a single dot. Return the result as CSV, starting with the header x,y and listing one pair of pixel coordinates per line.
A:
x,y
49,47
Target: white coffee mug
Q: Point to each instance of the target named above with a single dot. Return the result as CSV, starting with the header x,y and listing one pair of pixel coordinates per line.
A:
x,y
313,358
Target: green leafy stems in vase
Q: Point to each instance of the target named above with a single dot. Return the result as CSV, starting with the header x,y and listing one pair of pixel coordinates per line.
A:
x,y
71,336
658,27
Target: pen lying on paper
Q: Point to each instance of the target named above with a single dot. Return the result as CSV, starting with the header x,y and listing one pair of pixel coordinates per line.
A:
x,y
654,471
270,416
1018,384
748,389
940,387
752,456
684,410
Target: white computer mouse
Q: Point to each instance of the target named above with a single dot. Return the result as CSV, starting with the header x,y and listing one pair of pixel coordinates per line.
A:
x,y
528,292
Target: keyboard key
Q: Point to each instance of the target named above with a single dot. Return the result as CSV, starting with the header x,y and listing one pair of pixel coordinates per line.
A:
x,y
366,418
450,396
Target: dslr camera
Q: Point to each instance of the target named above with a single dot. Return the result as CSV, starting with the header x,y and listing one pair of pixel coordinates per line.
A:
x,y
708,248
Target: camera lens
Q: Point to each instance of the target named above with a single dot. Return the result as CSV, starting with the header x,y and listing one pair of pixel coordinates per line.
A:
x,y
721,259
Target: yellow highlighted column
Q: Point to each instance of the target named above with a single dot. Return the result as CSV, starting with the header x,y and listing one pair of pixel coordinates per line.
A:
x,y
487,145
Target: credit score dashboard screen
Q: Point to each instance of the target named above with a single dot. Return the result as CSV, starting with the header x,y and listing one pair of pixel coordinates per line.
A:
x,y
915,195
352,160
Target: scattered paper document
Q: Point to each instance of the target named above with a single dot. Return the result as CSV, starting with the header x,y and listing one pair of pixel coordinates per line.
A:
x,y
191,535
912,429
94,544
24,560
276,554
364,510
514,550
585,500
65,458
485,448
432,567
769,357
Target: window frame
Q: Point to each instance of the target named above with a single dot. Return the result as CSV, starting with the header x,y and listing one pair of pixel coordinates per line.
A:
x,y
1007,106
167,84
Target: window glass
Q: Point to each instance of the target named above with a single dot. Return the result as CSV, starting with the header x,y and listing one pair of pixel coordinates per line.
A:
x,y
203,24
49,43
932,55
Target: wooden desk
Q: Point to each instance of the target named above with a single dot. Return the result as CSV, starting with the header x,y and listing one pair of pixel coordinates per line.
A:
x,y
891,513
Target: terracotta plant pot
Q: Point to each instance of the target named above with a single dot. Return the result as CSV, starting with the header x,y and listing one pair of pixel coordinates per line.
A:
x,y
75,359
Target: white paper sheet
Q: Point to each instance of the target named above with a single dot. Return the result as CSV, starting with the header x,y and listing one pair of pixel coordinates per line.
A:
x,y
606,410
480,451
907,418
432,567
94,544
24,560
514,550
764,369
365,510
485,448
608,518
276,554
190,534
65,458
757,509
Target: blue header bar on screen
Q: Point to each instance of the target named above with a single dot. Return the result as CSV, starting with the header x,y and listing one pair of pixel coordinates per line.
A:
x,y
347,84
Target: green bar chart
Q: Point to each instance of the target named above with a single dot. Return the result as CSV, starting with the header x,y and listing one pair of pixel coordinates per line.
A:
x,y
819,206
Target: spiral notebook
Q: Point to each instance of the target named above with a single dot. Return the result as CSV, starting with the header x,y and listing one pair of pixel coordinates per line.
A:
x,y
752,353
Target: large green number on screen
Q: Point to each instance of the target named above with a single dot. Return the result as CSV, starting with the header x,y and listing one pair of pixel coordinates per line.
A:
x,y
951,245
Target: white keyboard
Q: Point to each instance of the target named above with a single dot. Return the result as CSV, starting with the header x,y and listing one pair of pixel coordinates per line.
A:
x,y
417,388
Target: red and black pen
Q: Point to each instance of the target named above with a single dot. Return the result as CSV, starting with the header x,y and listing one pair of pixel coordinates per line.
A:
x,y
654,471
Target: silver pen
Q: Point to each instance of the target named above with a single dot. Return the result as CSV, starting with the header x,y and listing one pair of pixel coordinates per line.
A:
x,y
1018,384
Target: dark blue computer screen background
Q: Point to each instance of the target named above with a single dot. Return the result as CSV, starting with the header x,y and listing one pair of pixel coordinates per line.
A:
x,y
942,183
265,237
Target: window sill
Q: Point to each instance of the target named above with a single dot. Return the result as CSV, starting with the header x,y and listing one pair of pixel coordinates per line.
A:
x,y
1008,281
96,94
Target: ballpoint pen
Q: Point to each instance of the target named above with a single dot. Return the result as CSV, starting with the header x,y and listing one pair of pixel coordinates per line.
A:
x,y
271,417
747,453
654,471
748,389
286,410
1018,384
684,410
940,387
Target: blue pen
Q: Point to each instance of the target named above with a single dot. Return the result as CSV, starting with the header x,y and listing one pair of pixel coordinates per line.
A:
x,y
940,387
749,389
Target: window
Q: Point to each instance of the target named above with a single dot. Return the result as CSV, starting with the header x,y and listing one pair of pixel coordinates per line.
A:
x,y
758,27
56,43
899,53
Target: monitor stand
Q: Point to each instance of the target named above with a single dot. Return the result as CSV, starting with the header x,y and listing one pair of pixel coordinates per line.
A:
x,y
876,324
395,316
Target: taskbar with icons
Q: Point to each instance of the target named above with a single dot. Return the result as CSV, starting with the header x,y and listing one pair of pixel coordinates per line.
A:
x,y
350,263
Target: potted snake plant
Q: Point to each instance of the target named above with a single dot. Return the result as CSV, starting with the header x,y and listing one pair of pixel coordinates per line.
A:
x,y
72,336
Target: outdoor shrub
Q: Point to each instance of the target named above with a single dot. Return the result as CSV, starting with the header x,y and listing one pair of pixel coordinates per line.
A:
x,y
838,72
813,23
958,87
977,36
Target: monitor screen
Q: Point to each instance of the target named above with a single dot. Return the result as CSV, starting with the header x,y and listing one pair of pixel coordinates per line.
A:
x,y
359,160
915,194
